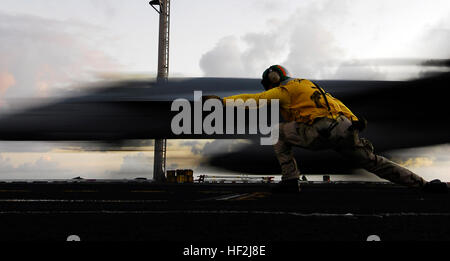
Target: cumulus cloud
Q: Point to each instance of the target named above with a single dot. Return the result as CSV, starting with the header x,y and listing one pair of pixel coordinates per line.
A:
x,y
207,148
202,150
229,58
42,168
416,162
134,165
224,59
303,43
196,146
312,44
195,154
433,42
6,80
41,56
316,41
105,7
431,162
28,146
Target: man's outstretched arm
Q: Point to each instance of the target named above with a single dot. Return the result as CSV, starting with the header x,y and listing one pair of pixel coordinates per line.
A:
x,y
276,93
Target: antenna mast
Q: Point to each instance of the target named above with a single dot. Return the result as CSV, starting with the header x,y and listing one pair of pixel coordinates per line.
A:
x,y
160,148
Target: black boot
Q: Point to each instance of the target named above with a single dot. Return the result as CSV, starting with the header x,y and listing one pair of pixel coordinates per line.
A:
x,y
287,186
435,186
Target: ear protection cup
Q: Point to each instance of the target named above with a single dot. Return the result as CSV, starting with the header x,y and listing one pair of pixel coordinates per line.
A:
x,y
273,77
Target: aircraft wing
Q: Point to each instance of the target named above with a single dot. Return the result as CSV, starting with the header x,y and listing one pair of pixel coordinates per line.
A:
x,y
400,114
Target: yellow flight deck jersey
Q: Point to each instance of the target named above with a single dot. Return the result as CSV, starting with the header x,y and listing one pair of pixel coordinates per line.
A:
x,y
302,101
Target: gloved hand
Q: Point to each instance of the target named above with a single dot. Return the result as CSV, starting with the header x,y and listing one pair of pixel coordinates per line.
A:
x,y
207,97
359,125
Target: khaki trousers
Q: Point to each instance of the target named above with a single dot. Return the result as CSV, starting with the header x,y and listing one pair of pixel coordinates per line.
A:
x,y
334,134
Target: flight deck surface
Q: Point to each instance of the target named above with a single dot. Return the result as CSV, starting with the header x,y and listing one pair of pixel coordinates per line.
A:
x,y
142,210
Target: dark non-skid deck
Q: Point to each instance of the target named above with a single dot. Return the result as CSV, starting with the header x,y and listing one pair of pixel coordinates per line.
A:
x,y
142,210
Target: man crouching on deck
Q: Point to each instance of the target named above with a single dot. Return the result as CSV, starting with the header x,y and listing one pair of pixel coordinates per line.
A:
x,y
316,120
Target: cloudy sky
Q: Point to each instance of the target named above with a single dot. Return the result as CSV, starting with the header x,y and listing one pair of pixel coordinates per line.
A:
x,y
49,46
